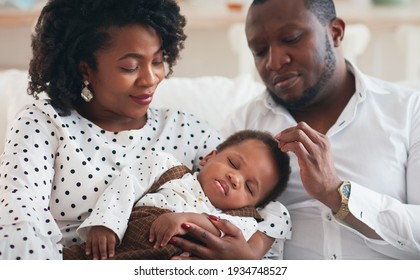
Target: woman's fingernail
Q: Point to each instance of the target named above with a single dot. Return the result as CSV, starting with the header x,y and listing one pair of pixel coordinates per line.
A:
x,y
185,226
214,218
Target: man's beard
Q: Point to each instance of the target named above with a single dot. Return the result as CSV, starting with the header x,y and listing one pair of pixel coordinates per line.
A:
x,y
310,93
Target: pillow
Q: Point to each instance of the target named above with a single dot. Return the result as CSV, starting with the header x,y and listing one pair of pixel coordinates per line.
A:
x,y
210,98
13,85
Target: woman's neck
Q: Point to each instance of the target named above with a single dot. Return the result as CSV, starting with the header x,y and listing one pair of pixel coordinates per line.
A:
x,y
113,124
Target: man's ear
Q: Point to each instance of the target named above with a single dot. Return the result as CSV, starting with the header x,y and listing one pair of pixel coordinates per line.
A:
x,y
84,70
337,27
208,157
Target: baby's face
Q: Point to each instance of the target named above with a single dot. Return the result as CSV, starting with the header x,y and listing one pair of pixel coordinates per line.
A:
x,y
238,176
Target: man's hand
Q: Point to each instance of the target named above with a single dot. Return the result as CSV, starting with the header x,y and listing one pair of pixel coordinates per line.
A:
x,y
317,171
101,243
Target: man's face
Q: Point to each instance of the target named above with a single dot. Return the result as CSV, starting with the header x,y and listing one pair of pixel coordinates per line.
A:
x,y
292,51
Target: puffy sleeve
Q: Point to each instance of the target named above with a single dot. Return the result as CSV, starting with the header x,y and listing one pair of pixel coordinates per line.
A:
x,y
28,229
114,206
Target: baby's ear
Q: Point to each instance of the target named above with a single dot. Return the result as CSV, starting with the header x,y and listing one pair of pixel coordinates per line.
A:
x,y
208,157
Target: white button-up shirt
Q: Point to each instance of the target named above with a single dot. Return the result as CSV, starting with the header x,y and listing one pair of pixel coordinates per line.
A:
x,y
376,145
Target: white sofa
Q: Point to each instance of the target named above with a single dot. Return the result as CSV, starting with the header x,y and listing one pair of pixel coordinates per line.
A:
x,y
210,98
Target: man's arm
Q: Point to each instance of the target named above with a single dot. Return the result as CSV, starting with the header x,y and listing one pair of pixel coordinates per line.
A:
x,y
317,171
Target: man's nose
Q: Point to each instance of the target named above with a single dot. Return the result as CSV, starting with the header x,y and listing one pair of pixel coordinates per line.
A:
x,y
277,57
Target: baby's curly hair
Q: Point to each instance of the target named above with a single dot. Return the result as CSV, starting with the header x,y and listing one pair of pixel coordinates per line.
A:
x,y
70,31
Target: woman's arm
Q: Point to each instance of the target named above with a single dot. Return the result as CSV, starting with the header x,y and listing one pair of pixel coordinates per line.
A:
x,y
169,225
231,246
29,230
114,206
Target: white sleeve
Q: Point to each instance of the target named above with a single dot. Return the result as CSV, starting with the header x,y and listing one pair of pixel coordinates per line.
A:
x,y
26,172
276,224
397,223
114,207
247,225
276,221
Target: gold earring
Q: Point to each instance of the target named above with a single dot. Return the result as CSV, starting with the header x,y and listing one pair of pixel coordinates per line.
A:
x,y
86,94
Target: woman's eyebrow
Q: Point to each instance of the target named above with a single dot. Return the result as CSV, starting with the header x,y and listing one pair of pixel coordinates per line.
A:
x,y
137,55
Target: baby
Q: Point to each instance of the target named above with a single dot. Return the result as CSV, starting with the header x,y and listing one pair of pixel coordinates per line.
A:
x,y
246,171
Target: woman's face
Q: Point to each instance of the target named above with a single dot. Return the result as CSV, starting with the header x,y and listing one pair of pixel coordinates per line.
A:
x,y
127,74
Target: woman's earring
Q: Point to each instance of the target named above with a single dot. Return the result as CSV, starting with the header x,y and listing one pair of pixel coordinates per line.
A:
x,y
86,94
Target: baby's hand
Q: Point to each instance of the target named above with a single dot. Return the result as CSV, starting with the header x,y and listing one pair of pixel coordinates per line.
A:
x,y
101,243
166,226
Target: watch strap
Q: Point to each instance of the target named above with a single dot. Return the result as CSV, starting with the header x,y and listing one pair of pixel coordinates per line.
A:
x,y
344,191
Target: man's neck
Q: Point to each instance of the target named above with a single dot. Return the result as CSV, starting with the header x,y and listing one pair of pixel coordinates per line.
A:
x,y
323,116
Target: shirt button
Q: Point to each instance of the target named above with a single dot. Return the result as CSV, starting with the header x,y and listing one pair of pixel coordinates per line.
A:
x,y
329,218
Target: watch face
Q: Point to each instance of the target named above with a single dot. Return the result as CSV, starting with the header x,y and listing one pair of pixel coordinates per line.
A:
x,y
345,190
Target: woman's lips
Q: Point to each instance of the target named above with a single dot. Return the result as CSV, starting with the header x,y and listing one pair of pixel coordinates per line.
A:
x,y
143,99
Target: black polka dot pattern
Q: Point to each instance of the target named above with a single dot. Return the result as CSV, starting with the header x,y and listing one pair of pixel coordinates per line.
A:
x,y
54,169
179,195
277,224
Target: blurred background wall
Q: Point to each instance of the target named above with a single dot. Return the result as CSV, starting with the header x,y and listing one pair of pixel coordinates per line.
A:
x,y
383,39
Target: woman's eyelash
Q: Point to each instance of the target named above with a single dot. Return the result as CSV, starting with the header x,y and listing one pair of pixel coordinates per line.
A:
x,y
130,70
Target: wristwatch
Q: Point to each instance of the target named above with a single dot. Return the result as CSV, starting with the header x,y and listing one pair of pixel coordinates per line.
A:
x,y
344,191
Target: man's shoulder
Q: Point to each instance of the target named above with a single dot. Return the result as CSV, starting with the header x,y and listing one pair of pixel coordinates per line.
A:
x,y
256,103
377,85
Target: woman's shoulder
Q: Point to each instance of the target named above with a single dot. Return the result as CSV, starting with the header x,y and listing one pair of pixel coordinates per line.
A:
x,y
37,109
165,116
41,110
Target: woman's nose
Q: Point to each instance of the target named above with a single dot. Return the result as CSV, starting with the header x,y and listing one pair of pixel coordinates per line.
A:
x,y
147,77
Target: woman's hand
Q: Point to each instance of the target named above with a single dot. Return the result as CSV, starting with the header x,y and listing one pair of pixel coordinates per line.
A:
x,y
231,246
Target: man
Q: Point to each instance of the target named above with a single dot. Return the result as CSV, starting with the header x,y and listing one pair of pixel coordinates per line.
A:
x,y
354,190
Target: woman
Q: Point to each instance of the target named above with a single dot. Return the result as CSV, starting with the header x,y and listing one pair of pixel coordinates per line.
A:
x,y
99,61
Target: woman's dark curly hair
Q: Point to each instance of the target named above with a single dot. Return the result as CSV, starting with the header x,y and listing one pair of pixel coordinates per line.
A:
x,y
70,31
